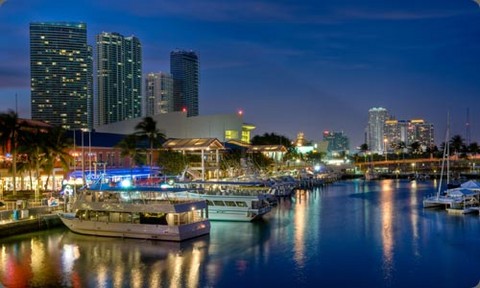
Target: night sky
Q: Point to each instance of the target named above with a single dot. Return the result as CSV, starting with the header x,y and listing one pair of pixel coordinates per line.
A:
x,y
291,66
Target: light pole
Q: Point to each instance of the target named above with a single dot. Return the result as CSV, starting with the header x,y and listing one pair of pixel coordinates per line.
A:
x,y
385,140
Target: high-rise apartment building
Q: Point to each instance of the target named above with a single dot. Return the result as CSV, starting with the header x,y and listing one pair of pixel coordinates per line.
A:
x,y
375,129
119,74
184,69
61,74
399,133
395,134
158,93
421,132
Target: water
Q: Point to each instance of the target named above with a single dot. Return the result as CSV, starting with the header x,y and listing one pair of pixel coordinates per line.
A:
x,y
349,234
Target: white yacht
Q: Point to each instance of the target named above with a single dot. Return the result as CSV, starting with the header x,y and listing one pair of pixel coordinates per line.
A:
x,y
137,212
231,201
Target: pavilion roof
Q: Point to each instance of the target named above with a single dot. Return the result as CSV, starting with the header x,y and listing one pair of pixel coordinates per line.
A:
x,y
193,144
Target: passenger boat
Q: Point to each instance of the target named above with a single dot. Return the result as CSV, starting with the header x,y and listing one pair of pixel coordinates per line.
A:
x,y
231,201
137,212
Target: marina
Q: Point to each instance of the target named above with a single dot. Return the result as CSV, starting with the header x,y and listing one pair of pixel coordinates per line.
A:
x,y
347,234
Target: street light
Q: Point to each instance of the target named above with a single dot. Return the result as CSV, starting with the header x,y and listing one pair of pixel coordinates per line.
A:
x,y
385,140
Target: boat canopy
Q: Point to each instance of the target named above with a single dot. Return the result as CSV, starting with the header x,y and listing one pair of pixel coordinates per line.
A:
x,y
461,192
470,185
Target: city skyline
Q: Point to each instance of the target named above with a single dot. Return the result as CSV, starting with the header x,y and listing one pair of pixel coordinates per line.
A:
x,y
303,67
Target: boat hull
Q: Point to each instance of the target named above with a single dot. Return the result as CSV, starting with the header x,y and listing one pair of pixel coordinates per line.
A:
x,y
224,212
240,215
140,231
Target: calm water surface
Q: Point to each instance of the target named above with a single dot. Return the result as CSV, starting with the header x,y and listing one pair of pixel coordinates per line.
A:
x,y
349,234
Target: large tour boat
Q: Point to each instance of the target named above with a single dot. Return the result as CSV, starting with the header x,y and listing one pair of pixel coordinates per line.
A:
x,y
137,212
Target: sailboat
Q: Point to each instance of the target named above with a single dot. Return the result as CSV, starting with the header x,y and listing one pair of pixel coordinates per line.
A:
x,y
443,199
457,198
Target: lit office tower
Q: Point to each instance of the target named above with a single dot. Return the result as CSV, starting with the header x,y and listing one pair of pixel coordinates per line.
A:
x,y
119,75
158,93
61,74
184,70
375,129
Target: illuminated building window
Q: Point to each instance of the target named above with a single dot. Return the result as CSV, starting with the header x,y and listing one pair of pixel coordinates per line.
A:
x,y
231,134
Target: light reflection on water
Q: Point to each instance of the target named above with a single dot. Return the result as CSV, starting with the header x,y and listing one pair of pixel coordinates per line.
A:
x,y
349,234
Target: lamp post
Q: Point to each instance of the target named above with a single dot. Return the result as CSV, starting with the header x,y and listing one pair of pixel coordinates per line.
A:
x,y
385,140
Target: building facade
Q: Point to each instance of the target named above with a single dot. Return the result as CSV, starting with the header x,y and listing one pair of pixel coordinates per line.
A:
x,y
375,129
119,78
184,68
158,93
400,134
223,127
338,142
61,74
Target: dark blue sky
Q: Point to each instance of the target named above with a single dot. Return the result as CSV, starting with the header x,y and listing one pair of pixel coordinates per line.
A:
x,y
290,65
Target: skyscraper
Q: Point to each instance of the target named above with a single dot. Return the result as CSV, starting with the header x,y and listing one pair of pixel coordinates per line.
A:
x,y
158,93
119,72
184,70
375,130
401,134
61,74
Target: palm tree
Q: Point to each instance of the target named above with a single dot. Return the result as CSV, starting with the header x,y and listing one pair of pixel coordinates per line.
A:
x,y
416,148
457,144
56,148
32,155
473,148
147,129
128,147
364,149
9,132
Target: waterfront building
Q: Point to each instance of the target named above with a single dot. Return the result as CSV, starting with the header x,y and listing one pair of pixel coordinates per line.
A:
x,y
119,78
375,129
184,68
338,143
61,74
158,93
223,127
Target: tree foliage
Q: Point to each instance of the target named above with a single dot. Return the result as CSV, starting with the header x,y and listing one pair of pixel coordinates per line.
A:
x,y
129,148
147,130
271,139
171,162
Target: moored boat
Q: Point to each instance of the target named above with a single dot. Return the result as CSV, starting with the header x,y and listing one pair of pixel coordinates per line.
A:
x,y
137,212
231,201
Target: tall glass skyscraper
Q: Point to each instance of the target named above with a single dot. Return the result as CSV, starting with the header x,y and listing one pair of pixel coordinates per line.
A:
x,y
61,74
375,130
185,74
158,93
119,72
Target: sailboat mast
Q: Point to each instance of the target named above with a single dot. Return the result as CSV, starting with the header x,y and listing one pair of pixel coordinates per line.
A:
x,y
445,158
